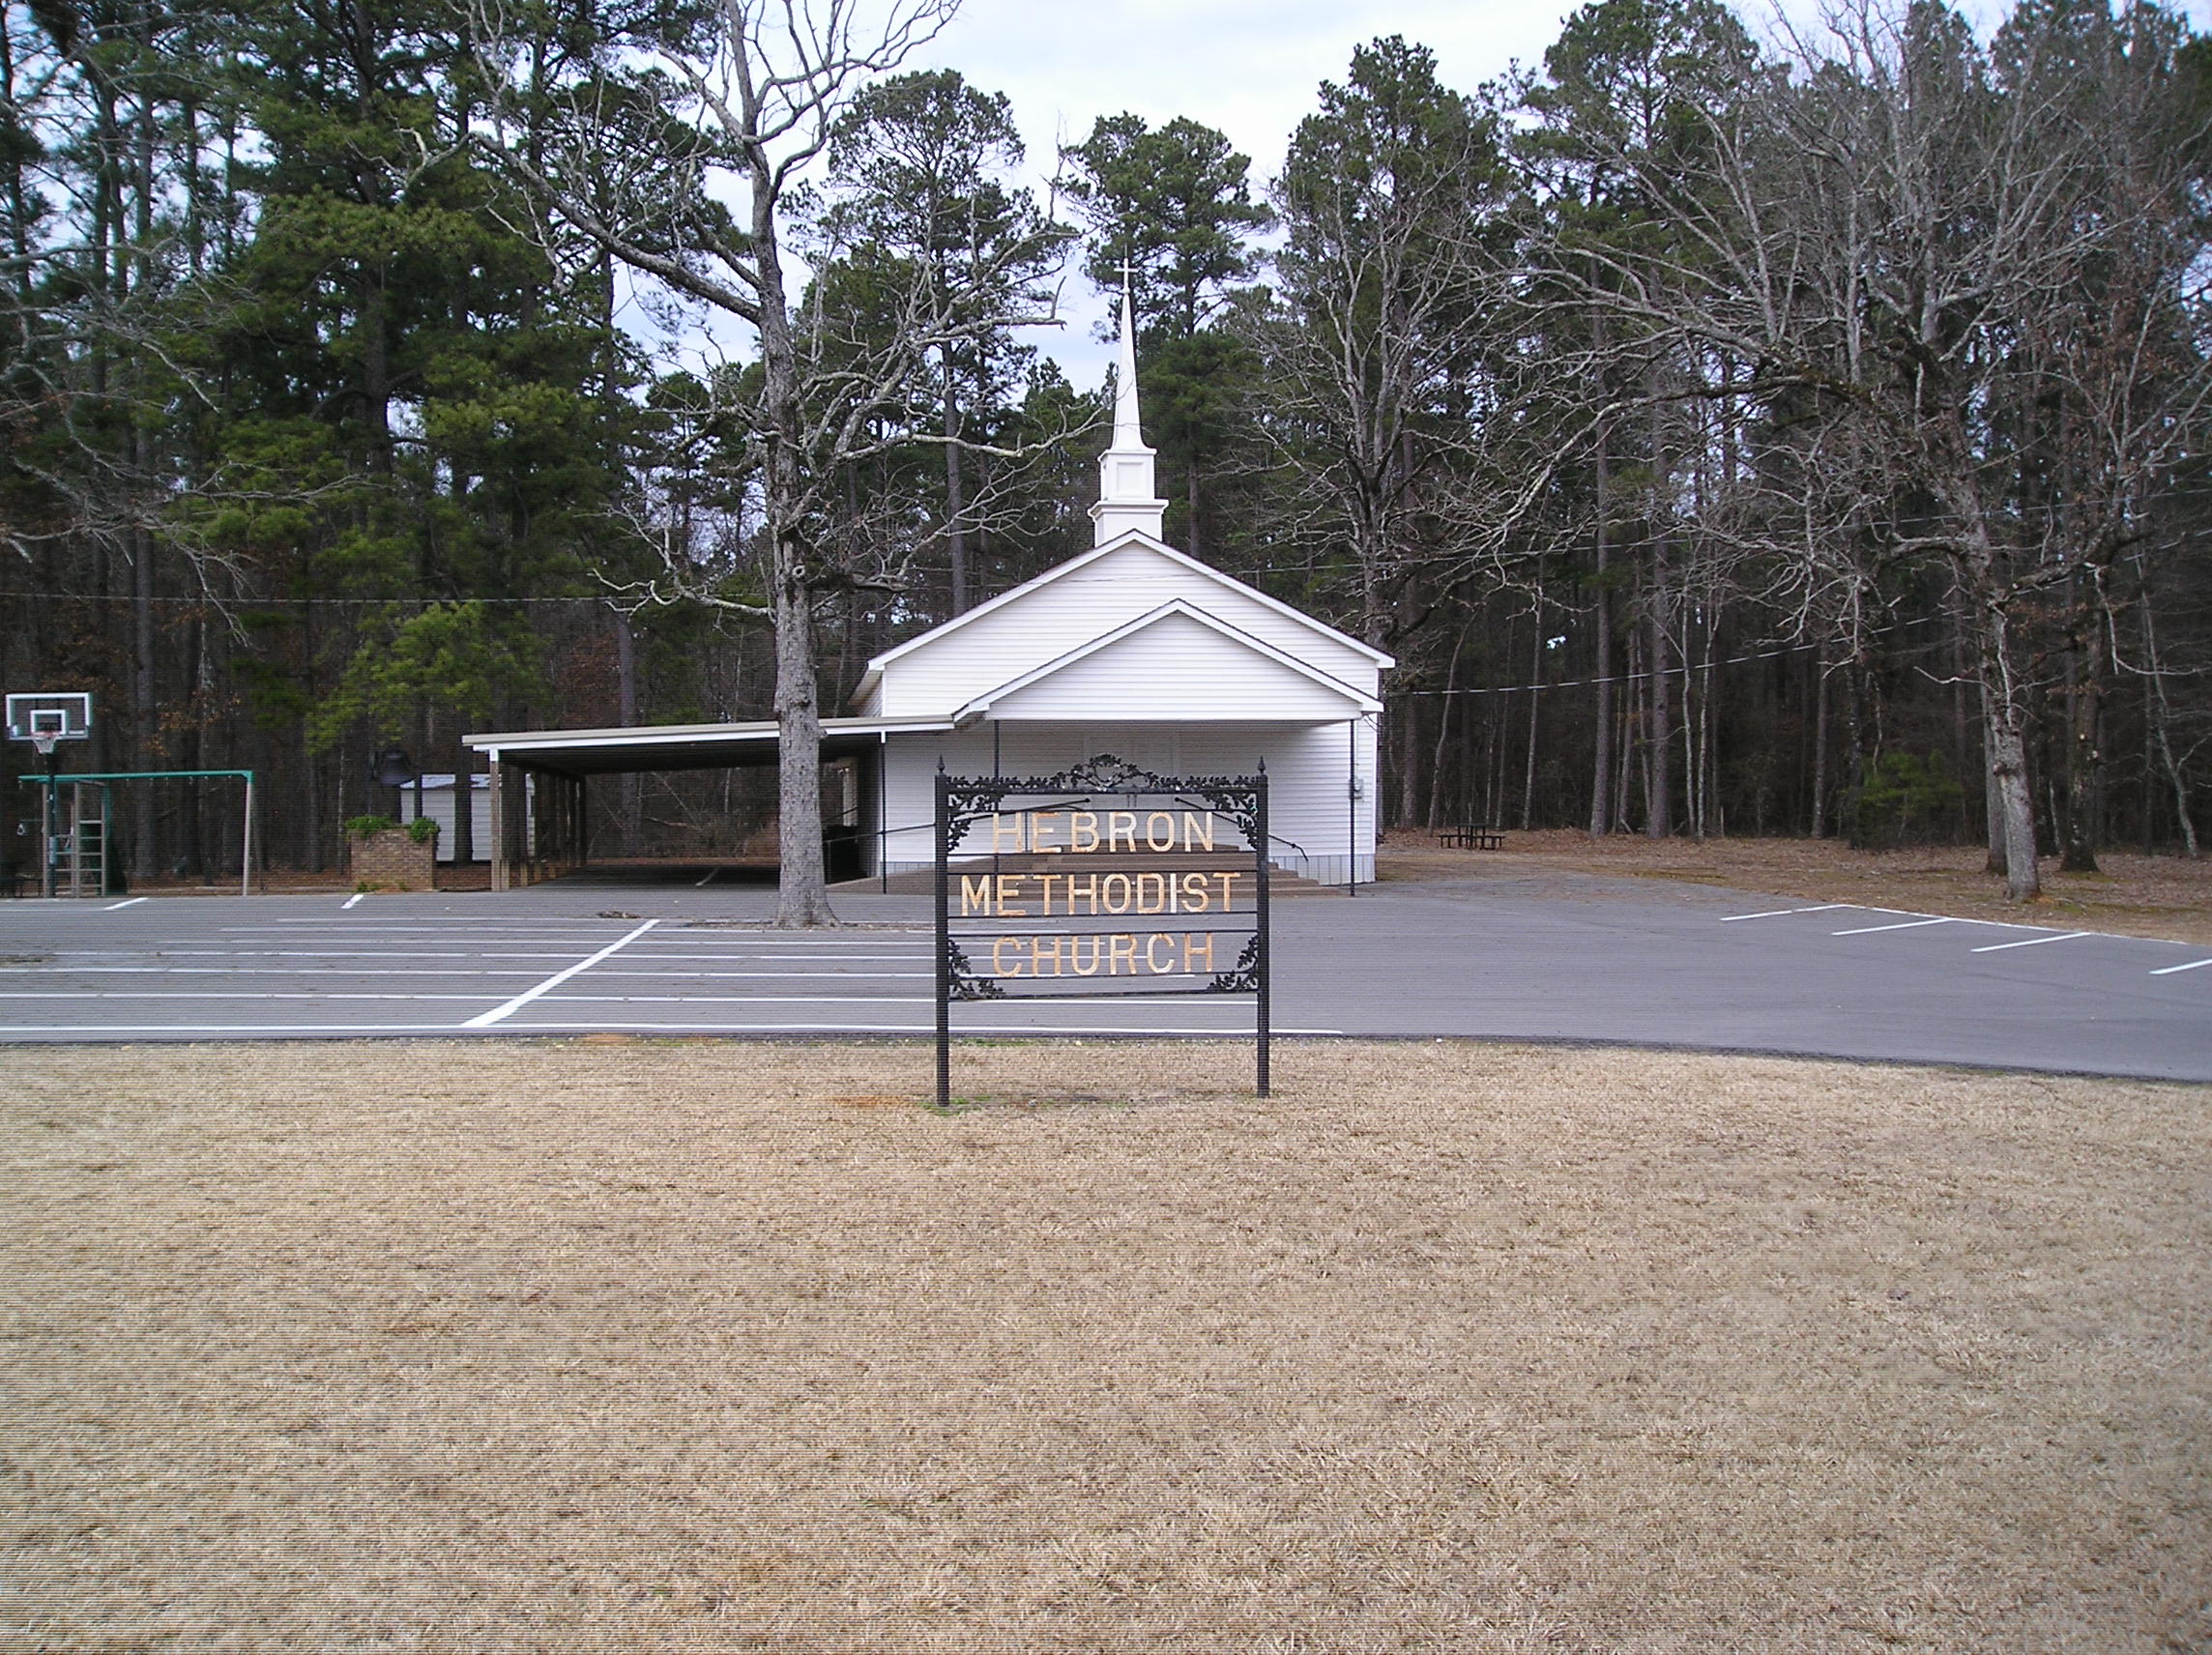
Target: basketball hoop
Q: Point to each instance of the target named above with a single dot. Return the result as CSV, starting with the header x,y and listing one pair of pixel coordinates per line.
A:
x,y
44,740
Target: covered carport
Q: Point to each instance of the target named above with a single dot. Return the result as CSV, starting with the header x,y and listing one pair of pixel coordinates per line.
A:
x,y
538,821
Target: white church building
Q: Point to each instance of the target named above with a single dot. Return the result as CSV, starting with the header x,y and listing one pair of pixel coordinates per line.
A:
x,y
1132,649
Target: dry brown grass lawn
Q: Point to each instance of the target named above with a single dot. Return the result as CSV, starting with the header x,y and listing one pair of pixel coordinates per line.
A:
x,y
1449,1347
2133,896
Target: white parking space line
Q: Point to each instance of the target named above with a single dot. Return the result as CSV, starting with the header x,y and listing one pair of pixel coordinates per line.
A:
x,y
499,1013
740,1000
404,934
304,954
1777,913
796,946
766,977
905,959
2030,942
126,902
538,953
255,972
1905,926
434,922
223,994
360,936
351,900
201,1031
963,1031
2191,965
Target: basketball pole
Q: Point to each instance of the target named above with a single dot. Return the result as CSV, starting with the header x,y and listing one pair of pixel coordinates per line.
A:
x,y
46,852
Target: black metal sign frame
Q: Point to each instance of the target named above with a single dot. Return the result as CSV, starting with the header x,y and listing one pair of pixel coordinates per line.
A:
x,y
980,961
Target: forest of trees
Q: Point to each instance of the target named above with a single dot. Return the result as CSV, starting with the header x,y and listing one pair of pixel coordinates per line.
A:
x,y
1727,434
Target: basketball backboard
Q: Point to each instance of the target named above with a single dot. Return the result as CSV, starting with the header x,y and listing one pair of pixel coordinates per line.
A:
x,y
47,716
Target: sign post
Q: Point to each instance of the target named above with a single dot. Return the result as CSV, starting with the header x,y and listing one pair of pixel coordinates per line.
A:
x,y
1101,881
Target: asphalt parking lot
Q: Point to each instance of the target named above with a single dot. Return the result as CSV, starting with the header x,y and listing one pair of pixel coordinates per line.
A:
x,y
1587,958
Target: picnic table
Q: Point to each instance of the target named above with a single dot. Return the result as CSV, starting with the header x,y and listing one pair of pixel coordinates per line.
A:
x,y
1472,836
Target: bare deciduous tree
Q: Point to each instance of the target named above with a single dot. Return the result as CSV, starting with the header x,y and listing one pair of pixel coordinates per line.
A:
x,y
636,143
1922,246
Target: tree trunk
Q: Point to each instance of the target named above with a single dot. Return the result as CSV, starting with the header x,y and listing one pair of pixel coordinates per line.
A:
x,y
1658,819
1409,770
1536,701
1601,626
2008,752
633,798
802,897
2084,758
1993,797
2158,709
1634,736
144,861
1855,735
310,765
1820,742
1443,734
955,489
1191,538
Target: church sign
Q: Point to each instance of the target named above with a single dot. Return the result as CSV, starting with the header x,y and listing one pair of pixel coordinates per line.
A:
x,y
1101,881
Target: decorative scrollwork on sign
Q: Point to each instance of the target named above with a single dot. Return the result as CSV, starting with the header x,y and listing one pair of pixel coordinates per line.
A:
x,y
1103,772
972,799
964,980
1243,977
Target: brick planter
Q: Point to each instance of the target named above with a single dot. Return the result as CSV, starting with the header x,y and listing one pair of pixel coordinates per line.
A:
x,y
392,860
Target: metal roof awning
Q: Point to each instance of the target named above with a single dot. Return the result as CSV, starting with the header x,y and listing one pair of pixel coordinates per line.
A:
x,y
681,746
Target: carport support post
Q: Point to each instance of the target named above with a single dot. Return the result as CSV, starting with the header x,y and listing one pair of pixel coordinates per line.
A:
x,y
581,818
498,790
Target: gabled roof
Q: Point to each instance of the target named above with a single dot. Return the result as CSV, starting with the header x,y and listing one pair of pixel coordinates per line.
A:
x,y
983,704
1061,571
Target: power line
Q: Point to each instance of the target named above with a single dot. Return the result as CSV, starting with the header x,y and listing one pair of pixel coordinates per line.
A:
x,y
1774,654
208,602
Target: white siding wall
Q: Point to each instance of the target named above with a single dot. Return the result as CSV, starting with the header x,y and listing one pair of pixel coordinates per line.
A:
x,y
1178,670
1062,615
1319,829
438,806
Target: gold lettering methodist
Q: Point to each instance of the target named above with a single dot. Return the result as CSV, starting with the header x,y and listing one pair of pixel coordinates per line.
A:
x,y
1086,896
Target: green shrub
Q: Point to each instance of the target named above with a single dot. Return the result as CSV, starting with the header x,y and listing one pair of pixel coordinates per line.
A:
x,y
421,829
366,826
1907,801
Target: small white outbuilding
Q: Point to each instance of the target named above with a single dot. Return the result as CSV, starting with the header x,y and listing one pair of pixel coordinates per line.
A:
x,y
1132,649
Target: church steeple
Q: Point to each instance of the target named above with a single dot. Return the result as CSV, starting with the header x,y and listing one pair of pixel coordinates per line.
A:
x,y
1125,498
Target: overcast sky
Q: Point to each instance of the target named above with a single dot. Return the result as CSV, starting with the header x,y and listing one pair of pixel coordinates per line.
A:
x,y
1247,68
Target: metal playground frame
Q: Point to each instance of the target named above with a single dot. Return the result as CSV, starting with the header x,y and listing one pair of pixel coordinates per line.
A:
x,y
45,719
